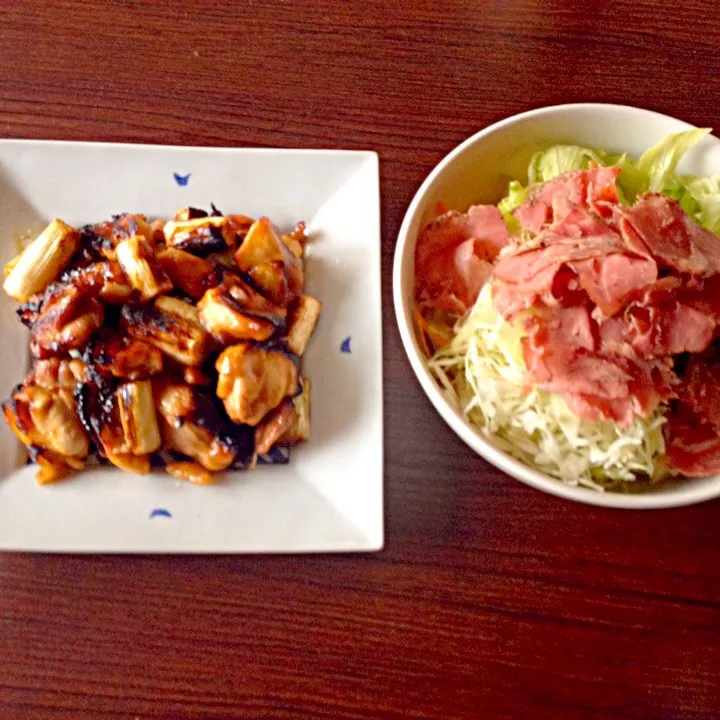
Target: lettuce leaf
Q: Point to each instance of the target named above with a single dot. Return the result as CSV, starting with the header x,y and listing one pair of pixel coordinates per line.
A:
x,y
548,164
678,191
515,197
655,170
705,192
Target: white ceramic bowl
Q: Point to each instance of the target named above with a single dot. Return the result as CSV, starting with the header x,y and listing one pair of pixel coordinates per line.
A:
x,y
478,171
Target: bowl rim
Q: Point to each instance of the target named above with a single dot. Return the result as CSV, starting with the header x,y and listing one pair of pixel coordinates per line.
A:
x,y
695,491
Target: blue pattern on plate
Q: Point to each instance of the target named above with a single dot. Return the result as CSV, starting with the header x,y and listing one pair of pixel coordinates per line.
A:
x,y
345,346
160,512
181,180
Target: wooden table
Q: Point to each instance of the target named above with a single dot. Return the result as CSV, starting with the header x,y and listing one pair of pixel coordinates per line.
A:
x,y
492,600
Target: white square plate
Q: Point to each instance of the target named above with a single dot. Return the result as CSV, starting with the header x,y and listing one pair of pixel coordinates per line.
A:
x,y
330,496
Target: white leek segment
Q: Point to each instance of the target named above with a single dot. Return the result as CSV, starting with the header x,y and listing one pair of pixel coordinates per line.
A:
x,y
42,261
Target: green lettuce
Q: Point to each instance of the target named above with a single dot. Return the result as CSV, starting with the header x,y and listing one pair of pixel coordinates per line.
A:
x,y
548,164
705,192
654,171
515,197
678,191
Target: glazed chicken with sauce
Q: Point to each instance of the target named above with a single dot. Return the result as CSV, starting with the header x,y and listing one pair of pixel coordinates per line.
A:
x,y
174,344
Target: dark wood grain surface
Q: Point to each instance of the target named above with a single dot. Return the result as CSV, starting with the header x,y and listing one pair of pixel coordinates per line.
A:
x,y
491,600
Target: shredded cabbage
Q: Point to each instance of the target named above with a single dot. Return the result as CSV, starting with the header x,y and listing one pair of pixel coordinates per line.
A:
x,y
483,372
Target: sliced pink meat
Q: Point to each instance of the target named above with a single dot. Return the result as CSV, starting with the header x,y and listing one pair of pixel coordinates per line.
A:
x,y
584,188
578,234
605,268
594,408
653,382
486,224
602,195
453,257
536,211
692,440
533,214
570,327
510,299
561,370
701,390
605,322
692,431
697,454
613,334
613,280
649,331
645,386
559,352
658,226
564,353
522,266
472,267
602,184
577,221
671,330
601,262
663,289
703,294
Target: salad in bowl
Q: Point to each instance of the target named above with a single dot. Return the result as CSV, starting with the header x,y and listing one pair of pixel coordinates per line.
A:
x,y
575,324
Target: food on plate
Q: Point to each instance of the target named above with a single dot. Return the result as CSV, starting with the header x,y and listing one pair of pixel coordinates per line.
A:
x,y
576,323
174,344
